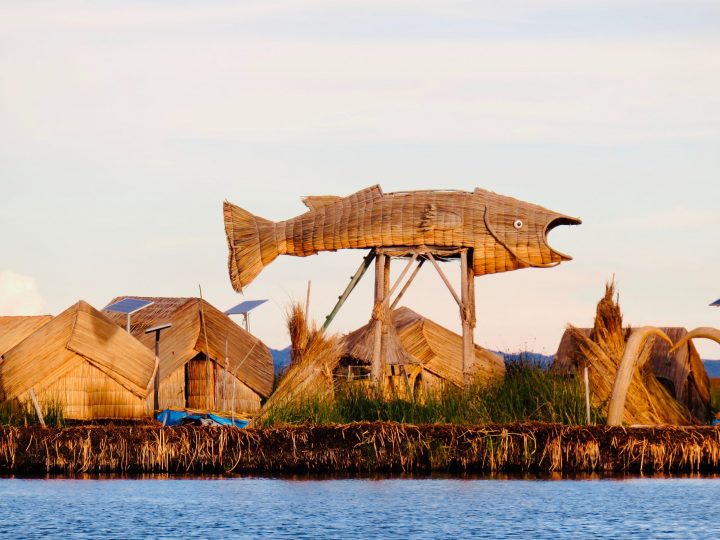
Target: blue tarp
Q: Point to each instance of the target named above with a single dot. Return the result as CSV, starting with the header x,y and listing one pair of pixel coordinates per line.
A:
x,y
170,417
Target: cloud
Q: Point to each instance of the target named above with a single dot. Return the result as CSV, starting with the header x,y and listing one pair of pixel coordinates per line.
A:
x,y
19,295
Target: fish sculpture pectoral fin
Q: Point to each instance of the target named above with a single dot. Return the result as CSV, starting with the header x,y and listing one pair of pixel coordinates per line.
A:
x,y
251,244
434,219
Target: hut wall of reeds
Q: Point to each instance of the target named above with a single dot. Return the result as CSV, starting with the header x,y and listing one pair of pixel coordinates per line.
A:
x,y
206,360
681,372
13,329
431,347
83,362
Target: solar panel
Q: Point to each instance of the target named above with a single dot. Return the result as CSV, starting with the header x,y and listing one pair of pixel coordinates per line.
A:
x,y
243,308
716,302
128,305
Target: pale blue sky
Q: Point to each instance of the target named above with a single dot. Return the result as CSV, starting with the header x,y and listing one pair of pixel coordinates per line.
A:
x,y
124,125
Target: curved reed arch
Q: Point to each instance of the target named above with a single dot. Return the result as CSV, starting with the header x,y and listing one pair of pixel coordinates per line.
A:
x,y
706,332
625,370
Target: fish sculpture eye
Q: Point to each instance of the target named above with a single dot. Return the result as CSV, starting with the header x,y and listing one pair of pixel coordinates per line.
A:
x,y
518,224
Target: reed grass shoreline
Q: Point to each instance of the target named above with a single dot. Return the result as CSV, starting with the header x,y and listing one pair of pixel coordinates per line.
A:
x,y
366,447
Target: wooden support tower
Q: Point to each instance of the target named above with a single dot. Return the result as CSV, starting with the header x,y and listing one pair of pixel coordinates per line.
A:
x,y
383,303
381,318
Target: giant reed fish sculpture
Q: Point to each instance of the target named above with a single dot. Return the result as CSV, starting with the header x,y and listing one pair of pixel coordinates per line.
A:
x,y
505,233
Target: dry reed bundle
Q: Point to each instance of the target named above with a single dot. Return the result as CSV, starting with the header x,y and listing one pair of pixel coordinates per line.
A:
x,y
506,234
679,368
647,401
361,447
314,357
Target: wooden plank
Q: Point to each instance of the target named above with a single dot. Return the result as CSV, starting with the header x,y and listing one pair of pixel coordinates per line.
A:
x,y
402,274
407,284
354,280
36,405
445,279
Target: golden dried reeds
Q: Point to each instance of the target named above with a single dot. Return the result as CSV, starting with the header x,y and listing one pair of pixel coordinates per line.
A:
x,y
315,355
647,401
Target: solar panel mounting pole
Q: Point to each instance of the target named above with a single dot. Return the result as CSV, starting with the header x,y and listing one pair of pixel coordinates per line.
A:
x,y
156,380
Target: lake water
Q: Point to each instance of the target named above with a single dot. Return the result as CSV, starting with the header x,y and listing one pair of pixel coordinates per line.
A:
x,y
359,508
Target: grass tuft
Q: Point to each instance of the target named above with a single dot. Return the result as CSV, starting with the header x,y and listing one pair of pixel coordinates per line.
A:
x,y
21,414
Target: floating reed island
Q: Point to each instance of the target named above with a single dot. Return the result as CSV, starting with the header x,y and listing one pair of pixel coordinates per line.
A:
x,y
361,448
399,394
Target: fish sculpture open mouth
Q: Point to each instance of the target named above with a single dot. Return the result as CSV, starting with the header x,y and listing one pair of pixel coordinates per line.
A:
x,y
504,233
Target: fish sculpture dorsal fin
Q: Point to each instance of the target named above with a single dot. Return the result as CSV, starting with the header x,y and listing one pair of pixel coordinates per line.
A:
x,y
316,202
437,219
372,192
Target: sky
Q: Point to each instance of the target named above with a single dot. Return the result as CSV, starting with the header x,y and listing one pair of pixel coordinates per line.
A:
x,y
125,124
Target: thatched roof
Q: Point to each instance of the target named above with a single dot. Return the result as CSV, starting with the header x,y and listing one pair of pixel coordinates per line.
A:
x,y
681,372
425,342
14,329
79,335
248,357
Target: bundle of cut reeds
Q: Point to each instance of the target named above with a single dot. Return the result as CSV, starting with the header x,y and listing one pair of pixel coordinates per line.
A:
x,y
314,357
647,402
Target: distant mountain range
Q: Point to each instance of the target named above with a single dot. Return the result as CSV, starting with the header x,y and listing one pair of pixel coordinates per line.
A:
x,y
712,367
541,360
281,360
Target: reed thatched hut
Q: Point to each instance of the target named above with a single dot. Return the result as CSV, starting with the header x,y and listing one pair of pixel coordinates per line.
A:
x,y
431,353
81,361
681,372
13,329
206,360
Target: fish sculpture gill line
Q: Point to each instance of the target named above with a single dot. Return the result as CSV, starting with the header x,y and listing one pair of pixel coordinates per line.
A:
x,y
505,233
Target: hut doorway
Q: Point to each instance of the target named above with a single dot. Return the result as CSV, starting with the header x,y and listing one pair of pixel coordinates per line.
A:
x,y
200,383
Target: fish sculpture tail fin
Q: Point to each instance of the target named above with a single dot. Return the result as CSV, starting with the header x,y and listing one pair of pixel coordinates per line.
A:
x,y
251,244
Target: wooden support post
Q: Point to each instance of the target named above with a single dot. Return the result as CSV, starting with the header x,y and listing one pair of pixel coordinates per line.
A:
x,y
467,313
402,274
444,278
586,379
307,302
36,405
385,316
377,367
